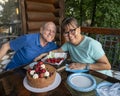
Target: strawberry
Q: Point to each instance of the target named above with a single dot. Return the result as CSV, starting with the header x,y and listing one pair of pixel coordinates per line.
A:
x,y
58,60
40,63
48,60
41,75
37,69
43,70
29,70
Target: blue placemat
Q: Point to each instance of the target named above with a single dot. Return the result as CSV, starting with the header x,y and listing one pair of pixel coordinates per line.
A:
x,y
74,70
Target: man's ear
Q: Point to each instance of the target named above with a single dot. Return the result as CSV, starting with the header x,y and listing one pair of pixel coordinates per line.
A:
x,y
41,30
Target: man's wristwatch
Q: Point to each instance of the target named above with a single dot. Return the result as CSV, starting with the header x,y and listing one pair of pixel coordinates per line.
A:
x,y
87,66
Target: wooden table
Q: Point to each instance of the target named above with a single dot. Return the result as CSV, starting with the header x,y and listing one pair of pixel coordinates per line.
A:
x,y
11,84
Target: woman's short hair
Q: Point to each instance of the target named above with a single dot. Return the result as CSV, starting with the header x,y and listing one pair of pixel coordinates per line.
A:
x,y
69,21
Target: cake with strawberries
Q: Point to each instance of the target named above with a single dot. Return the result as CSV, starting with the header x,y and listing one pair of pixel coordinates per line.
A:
x,y
41,75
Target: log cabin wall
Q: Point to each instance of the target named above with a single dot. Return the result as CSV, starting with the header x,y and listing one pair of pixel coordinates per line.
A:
x,y
35,12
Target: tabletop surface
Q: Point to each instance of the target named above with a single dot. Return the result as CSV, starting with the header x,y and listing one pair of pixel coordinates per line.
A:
x,y
11,84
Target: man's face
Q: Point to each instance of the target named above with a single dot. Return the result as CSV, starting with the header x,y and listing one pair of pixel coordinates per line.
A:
x,y
72,34
48,32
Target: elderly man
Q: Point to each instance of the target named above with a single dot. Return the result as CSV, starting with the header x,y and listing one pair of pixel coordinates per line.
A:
x,y
29,46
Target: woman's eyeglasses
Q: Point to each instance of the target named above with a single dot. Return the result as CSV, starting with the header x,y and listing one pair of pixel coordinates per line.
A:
x,y
72,31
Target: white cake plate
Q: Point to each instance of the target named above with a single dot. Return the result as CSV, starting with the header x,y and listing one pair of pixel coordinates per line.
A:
x,y
55,84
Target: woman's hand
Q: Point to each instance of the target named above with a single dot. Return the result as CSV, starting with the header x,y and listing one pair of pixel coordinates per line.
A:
x,y
41,56
77,66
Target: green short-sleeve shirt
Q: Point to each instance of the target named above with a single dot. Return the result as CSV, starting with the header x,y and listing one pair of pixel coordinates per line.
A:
x,y
88,51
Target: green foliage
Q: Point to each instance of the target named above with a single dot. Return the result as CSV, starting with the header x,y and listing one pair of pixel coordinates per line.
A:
x,y
108,14
101,13
8,12
72,8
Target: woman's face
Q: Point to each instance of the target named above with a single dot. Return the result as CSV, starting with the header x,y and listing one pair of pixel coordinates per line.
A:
x,y
48,32
72,34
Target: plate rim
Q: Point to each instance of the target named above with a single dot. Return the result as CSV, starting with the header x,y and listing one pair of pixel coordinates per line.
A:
x,y
46,89
92,87
105,83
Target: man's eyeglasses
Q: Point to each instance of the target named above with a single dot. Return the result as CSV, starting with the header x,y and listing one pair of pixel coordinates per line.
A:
x,y
72,31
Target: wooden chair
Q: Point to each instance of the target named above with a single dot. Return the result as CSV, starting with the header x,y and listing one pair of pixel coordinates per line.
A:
x,y
4,39
110,40
35,12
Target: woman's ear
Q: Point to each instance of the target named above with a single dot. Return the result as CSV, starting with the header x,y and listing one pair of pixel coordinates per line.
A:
x,y
79,29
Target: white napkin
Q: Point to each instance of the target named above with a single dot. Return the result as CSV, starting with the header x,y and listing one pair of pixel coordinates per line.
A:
x,y
57,55
113,90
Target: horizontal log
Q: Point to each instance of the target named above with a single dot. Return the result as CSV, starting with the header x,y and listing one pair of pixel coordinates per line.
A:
x,y
36,16
42,7
36,26
56,3
37,30
44,1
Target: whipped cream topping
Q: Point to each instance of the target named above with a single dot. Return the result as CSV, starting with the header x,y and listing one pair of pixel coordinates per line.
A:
x,y
43,66
35,76
32,72
46,74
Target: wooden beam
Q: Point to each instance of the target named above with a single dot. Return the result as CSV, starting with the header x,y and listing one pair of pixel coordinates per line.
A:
x,y
37,16
23,13
44,1
57,21
58,12
42,7
59,3
98,30
34,25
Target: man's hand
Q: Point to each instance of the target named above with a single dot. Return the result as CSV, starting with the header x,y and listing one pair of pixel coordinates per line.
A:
x,y
40,56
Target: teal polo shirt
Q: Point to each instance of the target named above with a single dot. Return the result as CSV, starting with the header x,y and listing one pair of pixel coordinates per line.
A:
x,y
88,51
